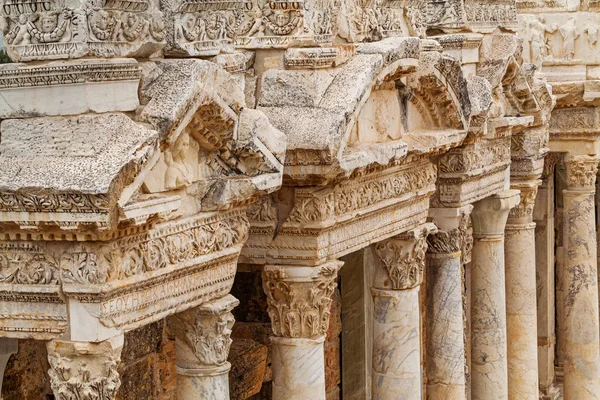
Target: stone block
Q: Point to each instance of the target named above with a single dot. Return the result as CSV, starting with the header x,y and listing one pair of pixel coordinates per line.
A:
x,y
68,88
248,360
142,342
137,381
333,371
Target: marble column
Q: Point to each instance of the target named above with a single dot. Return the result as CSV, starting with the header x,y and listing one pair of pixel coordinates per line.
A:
x,y
543,216
202,341
445,320
81,370
299,301
489,376
580,281
521,292
396,327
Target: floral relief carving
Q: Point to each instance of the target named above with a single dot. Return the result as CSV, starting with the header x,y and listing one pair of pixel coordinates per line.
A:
x,y
146,253
323,205
527,203
206,330
451,241
404,258
581,171
465,159
300,307
73,377
26,265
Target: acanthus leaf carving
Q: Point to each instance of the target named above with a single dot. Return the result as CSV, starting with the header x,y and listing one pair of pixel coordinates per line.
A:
x,y
581,171
404,257
299,307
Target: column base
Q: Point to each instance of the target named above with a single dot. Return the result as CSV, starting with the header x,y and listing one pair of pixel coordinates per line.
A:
x,y
203,383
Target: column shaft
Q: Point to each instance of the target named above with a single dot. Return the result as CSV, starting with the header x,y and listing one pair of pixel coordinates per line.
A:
x,y
521,316
580,282
445,323
299,300
397,326
396,345
489,375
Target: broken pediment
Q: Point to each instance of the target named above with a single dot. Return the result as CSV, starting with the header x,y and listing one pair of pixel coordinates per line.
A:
x,y
363,112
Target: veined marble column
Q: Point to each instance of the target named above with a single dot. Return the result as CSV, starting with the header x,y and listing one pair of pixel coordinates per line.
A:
x,y
521,292
299,301
202,341
580,281
445,324
396,330
543,216
489,376
81,370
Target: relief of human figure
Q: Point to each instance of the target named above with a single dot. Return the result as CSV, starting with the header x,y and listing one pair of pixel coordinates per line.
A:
x,y
538,42
178,175
569,34
592,34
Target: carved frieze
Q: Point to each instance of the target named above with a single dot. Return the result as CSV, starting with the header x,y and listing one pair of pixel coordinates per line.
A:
x,y
46,30
299,298
487,15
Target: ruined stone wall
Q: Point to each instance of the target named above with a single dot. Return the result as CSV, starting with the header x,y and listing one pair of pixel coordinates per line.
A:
x,y
147,368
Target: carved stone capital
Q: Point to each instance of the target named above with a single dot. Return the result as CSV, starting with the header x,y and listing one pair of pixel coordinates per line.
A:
x,y
299,298
550,162
403,257
452,226
203,334
81,370
490,214
524,210
581,172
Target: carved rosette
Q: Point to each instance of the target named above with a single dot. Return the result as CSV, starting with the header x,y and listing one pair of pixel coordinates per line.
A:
x,y
85,370
404,257
299,298
581,172
203,333
528,194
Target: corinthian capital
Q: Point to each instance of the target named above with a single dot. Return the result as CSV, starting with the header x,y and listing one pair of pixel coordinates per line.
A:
x,y
203,333
581,172
453,224
299,298
81,370
528,192
403,257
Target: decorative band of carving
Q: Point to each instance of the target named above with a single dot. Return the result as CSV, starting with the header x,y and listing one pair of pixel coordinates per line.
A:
x,y
404,257
299,298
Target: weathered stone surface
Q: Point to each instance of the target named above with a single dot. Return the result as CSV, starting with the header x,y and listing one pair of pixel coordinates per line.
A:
x,y
26,376
248,360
